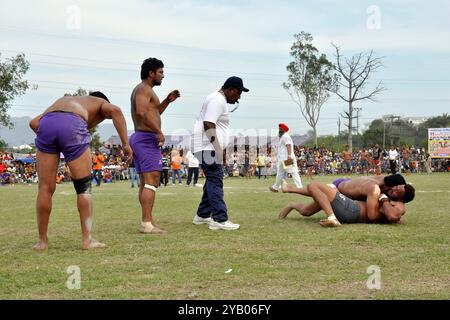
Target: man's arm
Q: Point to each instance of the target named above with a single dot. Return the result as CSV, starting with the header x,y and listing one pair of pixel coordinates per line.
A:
x,y
110,111
289,152
210,131
171,97
393,210
34,123
373,194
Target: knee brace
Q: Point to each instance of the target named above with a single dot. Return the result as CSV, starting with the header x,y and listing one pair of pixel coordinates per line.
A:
x,y
149,186
83,185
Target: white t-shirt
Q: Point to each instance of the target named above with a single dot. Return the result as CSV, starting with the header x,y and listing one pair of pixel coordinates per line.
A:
x,y
393,154
192,160
282,149
215,110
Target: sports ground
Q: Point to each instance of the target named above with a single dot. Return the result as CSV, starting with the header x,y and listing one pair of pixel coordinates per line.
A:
x,y
266,258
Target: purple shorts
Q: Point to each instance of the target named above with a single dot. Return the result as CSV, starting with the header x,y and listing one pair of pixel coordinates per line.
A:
x,y
337,182
63,132
146,153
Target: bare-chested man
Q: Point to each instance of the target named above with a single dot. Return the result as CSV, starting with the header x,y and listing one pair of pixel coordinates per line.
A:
x,y
347,159
341,209
146,110
63,127
368,189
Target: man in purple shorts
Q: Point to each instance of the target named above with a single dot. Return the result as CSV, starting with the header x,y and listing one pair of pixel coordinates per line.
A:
x,y
63,127
147,139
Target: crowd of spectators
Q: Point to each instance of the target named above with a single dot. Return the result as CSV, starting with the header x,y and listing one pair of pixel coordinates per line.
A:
x,y
244,161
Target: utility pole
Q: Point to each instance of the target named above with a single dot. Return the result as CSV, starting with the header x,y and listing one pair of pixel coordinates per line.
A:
x,y
339,133
357,125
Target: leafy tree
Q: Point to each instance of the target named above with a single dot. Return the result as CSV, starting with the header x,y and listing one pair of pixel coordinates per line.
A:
x,y
11,84
311,79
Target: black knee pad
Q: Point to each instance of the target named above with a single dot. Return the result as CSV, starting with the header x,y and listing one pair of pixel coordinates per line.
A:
x,y
83,185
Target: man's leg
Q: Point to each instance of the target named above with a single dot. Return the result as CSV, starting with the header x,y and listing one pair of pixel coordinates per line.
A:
x,y
279,178
214,188
196,171
303,209
46,165
80,170
147,192
297,179
324,195
189,177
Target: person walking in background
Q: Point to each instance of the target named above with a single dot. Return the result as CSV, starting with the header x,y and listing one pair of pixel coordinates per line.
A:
x,y
393,157
176,162
97,165
193,169
165,169
286,160
134,177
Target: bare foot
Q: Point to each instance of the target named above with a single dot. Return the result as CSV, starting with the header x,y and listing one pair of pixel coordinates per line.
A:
x,y
273,189
283,213
93,244
40,246
284,187
329,223
148,227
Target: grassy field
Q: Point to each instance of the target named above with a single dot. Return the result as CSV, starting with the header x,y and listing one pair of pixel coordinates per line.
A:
x,y
270,259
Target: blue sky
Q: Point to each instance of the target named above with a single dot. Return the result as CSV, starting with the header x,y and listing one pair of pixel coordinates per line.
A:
x,y
99,45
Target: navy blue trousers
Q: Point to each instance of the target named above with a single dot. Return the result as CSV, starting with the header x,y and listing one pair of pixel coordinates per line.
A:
x,y
212,204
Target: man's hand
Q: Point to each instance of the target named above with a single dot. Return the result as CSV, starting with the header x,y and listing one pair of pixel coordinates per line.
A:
x,y
289,161
161,139
174,95
129,153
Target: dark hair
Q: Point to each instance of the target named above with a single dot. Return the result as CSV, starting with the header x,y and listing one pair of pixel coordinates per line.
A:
x,y
394,180
150,64
410,192
98,94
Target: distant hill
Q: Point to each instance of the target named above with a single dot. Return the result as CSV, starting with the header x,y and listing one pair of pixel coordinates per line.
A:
x,y
21,134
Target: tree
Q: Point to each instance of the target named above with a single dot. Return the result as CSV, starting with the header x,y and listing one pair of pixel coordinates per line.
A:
x,y
354,73
11,84
95,136
3,145
311,79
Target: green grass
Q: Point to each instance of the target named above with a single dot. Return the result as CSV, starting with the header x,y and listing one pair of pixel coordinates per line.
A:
x,y
270,259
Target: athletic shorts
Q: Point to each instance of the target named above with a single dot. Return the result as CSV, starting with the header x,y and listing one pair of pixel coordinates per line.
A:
x,y
63,132
364,163
345,209
337,182
376,162
146,153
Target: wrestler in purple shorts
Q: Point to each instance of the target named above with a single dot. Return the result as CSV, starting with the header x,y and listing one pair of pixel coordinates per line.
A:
x,y
147,155
63,132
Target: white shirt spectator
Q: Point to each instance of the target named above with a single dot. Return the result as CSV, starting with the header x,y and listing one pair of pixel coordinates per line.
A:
x,y
214,110
393,154
192,160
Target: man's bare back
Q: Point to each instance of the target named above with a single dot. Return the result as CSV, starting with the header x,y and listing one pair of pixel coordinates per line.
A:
x,y
356,188
87,107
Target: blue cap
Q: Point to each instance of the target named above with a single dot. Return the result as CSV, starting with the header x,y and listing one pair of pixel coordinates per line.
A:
x,y
235,82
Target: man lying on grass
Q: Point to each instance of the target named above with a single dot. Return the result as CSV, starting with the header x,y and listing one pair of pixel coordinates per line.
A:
x,y
378,207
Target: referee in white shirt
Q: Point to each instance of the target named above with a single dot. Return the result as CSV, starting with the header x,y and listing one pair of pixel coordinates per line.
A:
x,y
210,139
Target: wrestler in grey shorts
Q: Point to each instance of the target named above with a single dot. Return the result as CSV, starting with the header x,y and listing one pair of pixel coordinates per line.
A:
x,y
345,209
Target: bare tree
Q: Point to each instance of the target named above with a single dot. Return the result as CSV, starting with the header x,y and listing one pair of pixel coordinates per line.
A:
x,y
354,73
311,79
